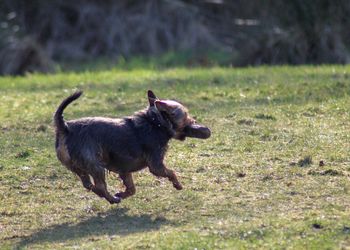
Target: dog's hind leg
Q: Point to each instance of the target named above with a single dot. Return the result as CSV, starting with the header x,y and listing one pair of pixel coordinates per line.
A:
x,y
85,179
129,185
100,187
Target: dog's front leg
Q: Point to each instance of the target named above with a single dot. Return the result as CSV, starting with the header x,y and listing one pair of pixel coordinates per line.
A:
x,y
129,185
159,169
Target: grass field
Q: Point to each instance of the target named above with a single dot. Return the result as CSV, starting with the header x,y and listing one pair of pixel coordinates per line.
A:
x,y
274,174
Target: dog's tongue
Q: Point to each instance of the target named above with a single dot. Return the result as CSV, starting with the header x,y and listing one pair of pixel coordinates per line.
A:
x,y
197,131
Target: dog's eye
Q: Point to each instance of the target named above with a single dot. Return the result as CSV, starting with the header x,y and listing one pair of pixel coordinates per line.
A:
x,y
174,112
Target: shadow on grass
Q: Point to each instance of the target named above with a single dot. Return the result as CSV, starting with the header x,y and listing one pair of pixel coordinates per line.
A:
x,y
114,222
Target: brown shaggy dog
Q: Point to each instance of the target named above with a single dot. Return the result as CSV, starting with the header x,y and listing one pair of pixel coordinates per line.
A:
x,y
90,146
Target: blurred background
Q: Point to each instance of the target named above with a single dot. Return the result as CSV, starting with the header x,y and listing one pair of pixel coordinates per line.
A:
x,y
48,36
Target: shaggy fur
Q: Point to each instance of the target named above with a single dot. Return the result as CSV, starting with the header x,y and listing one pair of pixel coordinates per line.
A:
x,y
89,146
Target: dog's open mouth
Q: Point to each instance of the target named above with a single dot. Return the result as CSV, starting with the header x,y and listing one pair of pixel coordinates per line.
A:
x,y
197,131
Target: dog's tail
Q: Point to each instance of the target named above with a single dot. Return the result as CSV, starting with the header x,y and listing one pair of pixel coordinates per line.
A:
x,y
58,117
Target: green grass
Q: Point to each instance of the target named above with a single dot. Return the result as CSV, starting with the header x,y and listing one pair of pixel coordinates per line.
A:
x,y
274,174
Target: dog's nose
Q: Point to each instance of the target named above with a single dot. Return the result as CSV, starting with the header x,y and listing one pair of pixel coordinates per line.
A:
x,y
203,132
206,132
197,131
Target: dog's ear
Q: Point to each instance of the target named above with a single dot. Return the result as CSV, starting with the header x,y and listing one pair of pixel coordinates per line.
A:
x,y
151,98
163,105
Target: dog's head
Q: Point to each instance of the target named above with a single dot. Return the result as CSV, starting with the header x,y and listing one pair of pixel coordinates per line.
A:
x,y
174,112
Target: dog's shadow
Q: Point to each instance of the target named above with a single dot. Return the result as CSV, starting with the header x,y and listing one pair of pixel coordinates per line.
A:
x,y
114,222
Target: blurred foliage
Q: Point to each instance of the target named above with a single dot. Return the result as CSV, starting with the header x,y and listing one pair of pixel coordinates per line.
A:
x,y
190,58
282,32
249,32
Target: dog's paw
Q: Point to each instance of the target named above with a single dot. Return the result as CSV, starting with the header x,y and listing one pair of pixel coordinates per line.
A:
x,y
120,195
178,186
115,200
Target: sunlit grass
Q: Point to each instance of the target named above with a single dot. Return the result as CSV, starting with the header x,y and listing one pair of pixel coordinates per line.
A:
x,y
274,174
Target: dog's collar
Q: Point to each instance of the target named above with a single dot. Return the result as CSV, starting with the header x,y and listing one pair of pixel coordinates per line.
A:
x,y
157,119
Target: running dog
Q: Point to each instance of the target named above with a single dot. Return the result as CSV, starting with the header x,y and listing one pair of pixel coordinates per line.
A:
x,y
90,146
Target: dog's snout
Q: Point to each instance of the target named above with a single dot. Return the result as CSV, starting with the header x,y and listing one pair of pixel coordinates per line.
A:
x,y
197,131
206,132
